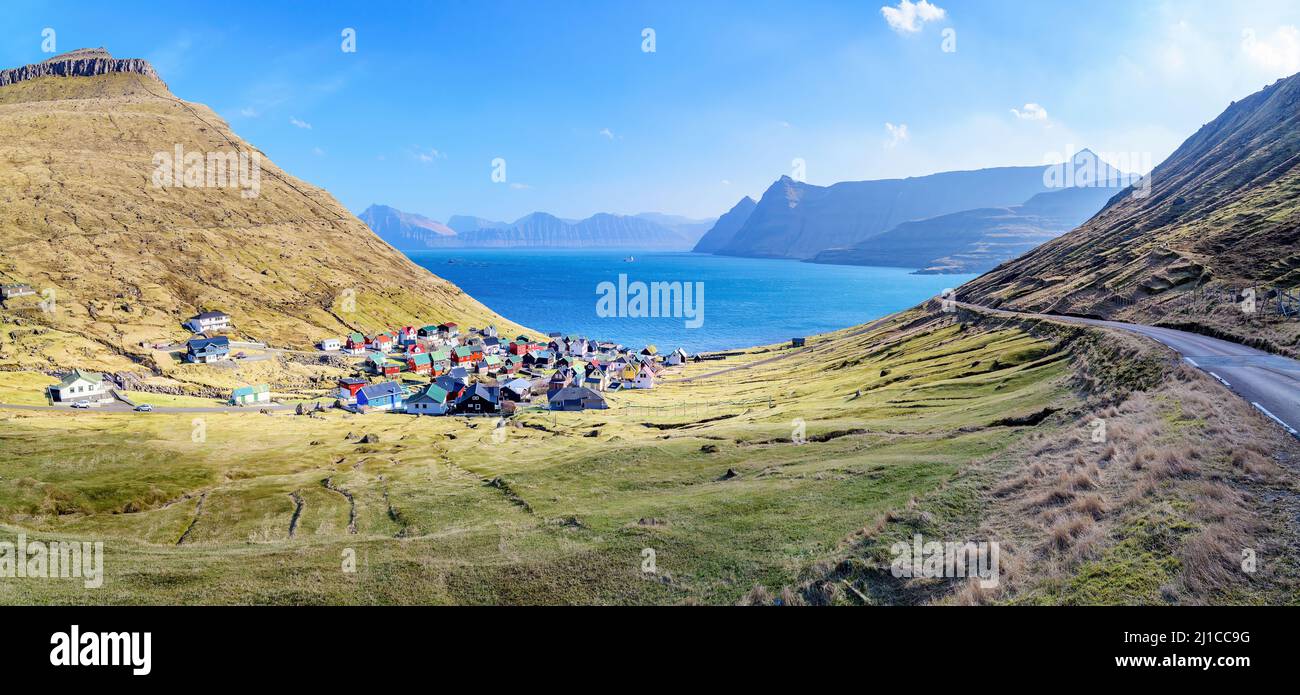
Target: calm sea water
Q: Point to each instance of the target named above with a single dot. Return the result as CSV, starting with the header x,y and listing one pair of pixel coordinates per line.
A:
x,y
747,301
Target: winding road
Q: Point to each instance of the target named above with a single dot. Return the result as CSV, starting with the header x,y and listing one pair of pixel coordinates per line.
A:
x,y
1269,382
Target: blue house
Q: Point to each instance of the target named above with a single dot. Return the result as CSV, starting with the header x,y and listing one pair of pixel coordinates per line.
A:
x,y
386,396
205,350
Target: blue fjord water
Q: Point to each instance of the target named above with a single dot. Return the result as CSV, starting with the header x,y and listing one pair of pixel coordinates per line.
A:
x,y
747,301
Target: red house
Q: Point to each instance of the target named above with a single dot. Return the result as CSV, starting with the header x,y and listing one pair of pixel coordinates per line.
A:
x,y
467,354
415,349
419,363
390,369
352,386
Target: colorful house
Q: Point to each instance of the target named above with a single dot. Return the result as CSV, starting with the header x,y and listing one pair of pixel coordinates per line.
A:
x,y
206,350
356,343
466,354
208,321
431,401
251,395
80,386
441,360
419,363
574,398
382,342
478,400
348,388
448,330
386,396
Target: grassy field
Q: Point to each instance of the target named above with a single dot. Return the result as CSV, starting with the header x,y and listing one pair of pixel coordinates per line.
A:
x,y
704,479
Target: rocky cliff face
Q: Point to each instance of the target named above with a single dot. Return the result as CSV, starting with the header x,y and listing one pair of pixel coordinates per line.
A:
x,y
83,62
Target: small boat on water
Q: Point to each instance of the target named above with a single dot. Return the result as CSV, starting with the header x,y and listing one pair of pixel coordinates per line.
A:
x,y
629,259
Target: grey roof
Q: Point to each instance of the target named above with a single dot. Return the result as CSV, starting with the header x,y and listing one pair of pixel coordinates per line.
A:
x,y
199,344
388,388
487,393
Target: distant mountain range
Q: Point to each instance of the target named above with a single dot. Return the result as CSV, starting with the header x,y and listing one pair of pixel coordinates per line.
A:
x,y
976,219
975,241
650,231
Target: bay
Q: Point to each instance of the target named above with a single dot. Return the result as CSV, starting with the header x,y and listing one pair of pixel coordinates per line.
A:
x,y
747,301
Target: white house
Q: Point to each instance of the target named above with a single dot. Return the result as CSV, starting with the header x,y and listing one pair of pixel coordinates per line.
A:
x,y
209,321
676,357
81,386
645,378
251,395
331,344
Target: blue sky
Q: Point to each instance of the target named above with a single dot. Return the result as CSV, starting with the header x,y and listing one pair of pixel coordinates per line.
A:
x,y
733,93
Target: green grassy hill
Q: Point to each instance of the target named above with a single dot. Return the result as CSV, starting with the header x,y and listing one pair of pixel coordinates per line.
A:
x,y
956,427
1221,215
126,261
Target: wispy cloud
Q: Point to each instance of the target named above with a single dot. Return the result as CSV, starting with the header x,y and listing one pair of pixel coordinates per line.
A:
x,y
318,151
295,122
909,17
1278,53
1031,112
520,186
249,112
427,155
897,134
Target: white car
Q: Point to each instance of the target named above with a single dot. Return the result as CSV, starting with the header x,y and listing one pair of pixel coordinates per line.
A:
x,y
81,404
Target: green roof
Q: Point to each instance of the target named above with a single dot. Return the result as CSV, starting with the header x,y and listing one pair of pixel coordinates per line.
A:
x,y
421,358
440,355
250,390
429,329
77,374
492,359
435,393
357,338
465,351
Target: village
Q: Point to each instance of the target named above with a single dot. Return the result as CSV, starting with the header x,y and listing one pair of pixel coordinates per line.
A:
x,y
428,370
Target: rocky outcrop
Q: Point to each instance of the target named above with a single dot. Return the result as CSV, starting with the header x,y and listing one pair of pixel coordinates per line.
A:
x,y
83,62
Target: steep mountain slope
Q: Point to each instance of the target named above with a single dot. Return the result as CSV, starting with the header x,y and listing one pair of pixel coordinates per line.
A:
x,y
975,241
91,220
403,230
794,219
725,229
1223,213
542,230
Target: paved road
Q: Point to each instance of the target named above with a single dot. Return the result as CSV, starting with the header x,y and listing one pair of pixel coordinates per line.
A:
x,y
1269,382
120,407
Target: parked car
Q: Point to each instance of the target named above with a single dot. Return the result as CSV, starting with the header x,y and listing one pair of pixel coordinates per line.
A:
x,y
144,408
240,355
81,404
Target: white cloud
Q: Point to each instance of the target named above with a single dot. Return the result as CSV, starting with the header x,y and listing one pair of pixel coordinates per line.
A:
x,y
1031,112
520,186
897,134
249,112
299,124
426,155
318,151
909,17
726,182
607,133
1279,53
